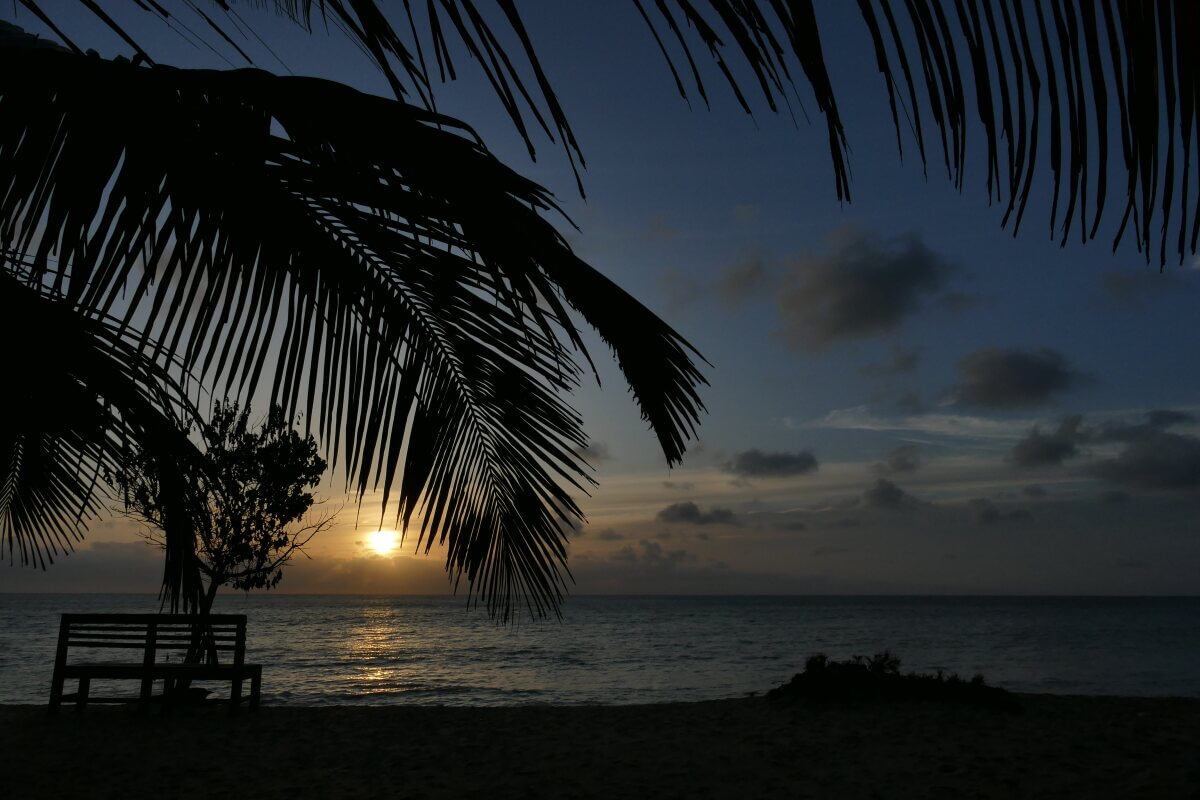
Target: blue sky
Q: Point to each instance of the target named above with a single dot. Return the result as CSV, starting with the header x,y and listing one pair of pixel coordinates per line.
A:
x,y
856,440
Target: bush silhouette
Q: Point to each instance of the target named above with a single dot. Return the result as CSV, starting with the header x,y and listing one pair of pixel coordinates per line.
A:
x,y
879,678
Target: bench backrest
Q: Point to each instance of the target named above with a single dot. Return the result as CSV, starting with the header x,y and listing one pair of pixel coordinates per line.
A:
x,y
152,633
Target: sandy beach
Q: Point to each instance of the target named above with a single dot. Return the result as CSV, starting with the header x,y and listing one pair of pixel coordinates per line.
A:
x,y
1080,747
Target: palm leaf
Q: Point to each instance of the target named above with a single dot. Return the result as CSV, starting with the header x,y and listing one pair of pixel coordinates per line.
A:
x,y
1034,79
393,280
84,392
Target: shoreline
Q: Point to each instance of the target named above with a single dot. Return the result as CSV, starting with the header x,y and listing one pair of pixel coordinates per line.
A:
x,y
1090,746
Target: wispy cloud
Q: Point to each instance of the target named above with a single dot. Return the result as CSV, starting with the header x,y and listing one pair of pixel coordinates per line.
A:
x,y
954,425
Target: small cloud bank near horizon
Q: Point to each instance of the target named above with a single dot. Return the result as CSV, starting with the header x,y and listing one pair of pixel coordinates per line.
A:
x,y
690,513
1150,456
755,463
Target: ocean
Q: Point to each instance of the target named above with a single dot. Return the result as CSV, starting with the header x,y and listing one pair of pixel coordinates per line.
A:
x,y
336,650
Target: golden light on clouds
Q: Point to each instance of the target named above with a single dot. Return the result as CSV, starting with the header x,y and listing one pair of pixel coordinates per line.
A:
x,y
382,542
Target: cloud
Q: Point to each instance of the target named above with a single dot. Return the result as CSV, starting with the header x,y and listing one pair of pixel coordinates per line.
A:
x,y
1114,497
1160,460
94,566
900,362
1136,290
864,285
757,464
887,495
987,513
744,213
691,514
680,486
791,526
743,280
593,453
651,555
900,459
953,425
1042,449
1166,417
609,535
1153,421
1007,378
1033,490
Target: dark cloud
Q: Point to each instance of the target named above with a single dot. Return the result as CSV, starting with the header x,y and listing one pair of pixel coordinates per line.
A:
x,y
757,464
864,286
900,362
791,526
1005,378
651,555
691,514
1166,417
680,486
593,453
1152,422
1033,490
95,566
1114,497
1160,460
1137,290
609,535
887,495
900,459
1039,449
987,513
744,280
844,523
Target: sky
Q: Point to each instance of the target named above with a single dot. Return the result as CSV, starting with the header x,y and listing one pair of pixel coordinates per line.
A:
x,y
904,398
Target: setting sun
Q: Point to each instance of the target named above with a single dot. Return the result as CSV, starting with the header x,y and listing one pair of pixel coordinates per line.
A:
x,y
383,542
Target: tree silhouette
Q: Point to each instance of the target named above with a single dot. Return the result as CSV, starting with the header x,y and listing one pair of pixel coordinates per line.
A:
x,y
250,504
181,226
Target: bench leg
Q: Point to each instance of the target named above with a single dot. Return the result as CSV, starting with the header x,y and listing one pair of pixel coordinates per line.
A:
x,y
81,698
235,695
56,693
147,691
255,685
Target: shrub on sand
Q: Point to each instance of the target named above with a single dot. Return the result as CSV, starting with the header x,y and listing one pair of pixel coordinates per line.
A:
x,y
879,678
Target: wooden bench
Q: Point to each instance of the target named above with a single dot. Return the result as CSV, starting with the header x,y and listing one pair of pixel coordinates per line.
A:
x,y
172,635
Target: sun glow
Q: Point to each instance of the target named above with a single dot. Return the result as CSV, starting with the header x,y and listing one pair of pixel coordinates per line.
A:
x,y
383,542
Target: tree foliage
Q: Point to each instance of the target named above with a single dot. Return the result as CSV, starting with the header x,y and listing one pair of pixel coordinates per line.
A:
x,y
249,501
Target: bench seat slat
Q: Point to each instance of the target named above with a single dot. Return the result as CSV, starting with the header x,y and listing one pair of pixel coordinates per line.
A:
x,y
146,619
159,670
136,636
224,648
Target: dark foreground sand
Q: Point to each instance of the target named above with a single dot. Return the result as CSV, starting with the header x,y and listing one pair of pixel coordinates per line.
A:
x,y
1073,747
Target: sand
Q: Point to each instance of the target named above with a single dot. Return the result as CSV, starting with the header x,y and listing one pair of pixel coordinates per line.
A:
x,y
1075,747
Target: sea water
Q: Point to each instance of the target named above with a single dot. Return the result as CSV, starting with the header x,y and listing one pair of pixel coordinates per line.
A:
x,y
323,650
